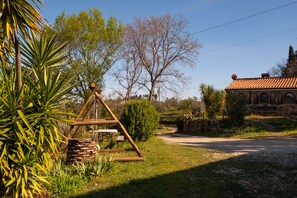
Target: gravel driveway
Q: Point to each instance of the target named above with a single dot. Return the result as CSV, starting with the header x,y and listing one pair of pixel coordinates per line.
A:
x,y
279,148
283,144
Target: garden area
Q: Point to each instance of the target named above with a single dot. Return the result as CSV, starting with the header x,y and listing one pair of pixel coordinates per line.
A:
x,y
172,170
45,93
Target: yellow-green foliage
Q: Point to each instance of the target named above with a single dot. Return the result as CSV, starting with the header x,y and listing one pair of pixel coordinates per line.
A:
x,y
140,119
28,132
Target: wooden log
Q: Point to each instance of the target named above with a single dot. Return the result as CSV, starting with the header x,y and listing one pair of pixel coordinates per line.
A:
x,y
112,150
128,159
93,122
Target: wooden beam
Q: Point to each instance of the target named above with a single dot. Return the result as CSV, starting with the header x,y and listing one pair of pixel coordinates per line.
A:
x,y
93,122
128,159
112,150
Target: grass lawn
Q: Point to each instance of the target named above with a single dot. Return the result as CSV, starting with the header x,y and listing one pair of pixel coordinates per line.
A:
x,y
179,171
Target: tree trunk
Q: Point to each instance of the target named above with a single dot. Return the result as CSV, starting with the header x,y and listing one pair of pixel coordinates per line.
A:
x,y
152,91
18,67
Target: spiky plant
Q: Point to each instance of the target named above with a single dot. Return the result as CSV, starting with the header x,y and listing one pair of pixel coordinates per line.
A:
x,y
28,132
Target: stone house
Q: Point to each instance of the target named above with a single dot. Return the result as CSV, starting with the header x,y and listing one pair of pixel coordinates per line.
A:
x,y
267,95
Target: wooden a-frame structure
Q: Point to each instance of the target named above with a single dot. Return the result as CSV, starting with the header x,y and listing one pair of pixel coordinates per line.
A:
x,y
81,120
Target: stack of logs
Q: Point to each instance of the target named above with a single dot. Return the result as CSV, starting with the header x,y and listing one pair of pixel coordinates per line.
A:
x,y
80,149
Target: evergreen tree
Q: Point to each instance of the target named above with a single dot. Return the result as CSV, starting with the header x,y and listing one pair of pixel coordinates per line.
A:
x,y
291,65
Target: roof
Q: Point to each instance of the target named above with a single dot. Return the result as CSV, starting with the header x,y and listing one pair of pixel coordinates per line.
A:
x,y
263,83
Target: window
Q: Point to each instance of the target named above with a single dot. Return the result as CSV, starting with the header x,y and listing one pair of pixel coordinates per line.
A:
x,y
264,98
289,98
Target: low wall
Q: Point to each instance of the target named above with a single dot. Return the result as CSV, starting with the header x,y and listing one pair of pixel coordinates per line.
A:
x,y
272,109
197,126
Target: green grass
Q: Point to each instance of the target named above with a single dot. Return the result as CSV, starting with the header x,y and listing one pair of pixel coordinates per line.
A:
x,y
177,171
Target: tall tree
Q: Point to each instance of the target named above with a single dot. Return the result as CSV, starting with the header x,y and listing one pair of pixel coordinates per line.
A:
x,y
18,18
93,44
288,67
128,72
163,45
291,66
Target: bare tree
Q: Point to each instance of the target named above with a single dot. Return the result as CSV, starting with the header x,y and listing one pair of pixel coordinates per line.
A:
x,y
128,74
162,45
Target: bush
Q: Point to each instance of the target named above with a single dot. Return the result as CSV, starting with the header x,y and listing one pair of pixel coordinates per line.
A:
x,y
140,119
236,108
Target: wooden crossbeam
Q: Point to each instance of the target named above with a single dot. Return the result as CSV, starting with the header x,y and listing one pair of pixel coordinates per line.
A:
x,y
93,122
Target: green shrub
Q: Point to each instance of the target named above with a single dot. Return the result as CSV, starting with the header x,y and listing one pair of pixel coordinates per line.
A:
x,y
235,108
66,180
140,119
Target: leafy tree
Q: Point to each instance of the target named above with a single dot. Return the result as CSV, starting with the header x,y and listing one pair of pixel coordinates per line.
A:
x,y
212,99
92,43
236,108
191,105
18,18
162,44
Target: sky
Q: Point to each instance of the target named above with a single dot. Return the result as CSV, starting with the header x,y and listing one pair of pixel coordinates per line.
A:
x,y
242,37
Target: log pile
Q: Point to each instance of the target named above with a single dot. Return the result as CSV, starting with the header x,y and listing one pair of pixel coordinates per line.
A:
x,y
80,149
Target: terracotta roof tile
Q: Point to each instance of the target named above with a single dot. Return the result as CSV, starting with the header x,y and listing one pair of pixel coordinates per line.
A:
x,y
264,83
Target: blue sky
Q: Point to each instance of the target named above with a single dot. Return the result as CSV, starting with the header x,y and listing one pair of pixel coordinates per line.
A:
x,y
214,65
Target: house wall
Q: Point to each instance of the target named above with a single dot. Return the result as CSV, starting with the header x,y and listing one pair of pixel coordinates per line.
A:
x,y
279,102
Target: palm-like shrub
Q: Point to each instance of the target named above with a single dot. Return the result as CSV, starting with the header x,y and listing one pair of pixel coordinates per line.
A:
x,y
28,132
140,119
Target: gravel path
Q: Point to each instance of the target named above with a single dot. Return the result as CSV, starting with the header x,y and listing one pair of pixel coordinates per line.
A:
x,y
278,144
282,149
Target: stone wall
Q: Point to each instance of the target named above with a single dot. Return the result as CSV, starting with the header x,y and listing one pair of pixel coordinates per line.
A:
x,y
276,104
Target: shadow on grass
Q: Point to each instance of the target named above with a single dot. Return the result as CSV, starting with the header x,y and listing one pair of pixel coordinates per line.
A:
x,y
240,176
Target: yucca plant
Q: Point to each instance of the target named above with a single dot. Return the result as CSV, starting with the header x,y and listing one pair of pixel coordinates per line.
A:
x,y
28,133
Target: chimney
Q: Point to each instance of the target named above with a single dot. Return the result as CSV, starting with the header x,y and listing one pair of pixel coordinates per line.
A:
x,y
265,75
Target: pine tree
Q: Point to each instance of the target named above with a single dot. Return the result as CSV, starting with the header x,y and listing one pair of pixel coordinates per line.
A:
x,y
291,65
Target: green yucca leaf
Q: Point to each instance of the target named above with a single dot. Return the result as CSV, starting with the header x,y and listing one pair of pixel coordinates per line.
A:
x,y
24,119
24,192
19,179
35,185
25,173
20,152
40,168
4,152
12,180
